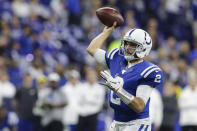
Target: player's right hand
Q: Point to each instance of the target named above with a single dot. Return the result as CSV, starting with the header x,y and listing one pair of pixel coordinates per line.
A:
x,y
113,83
110,29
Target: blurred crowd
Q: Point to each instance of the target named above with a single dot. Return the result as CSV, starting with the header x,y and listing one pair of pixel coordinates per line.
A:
x,y
49,82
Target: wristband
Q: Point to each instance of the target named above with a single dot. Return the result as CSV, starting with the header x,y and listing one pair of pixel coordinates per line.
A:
x,y
124,96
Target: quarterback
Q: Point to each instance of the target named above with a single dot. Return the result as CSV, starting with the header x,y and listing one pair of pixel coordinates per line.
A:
x,y
129,78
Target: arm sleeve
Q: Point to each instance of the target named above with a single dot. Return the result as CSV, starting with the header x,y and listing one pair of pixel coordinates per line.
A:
x,y
100,57
144,92
104,58
109,56
156,108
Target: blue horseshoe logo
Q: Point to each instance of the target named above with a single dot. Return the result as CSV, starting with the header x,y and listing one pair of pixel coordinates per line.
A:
x,y
148,43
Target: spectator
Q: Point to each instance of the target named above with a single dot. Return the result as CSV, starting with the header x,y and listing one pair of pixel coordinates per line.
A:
x,y
193,52
72,90
52,102
89,19
192,71
91,102
185,51
25,99
38,9
26,43
170,109
7,89
21,8
3,45
60,70
74,8
156,109
179,72
36,70
41,84
188,107
16,27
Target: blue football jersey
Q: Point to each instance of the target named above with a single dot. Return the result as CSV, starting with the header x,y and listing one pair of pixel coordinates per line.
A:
x,y
9,121
143,73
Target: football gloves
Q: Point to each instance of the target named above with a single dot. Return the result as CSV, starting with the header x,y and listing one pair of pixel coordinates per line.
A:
x,y
113,83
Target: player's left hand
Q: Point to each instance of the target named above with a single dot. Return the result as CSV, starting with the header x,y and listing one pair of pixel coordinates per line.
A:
x,y
113,83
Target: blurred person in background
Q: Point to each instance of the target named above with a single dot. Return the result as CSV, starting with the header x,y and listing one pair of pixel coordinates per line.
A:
x,y
92,97
188,106
24,102
21,8
52,102
74,8
41,84
8,120
3,45
25,40
192,71
60,70
193,52
170,107
72,90
7,89
156,110
184,51
90,21
130,19
170,44
36,68
38,9
15,73
179,72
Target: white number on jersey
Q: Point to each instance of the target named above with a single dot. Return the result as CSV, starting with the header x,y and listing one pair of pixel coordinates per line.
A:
x,y
158,78
114,100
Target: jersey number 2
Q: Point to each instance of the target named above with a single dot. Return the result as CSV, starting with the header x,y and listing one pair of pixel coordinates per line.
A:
x,y
114,100
158,78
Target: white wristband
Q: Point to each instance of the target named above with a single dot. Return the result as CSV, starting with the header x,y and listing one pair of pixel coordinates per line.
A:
x,y
124,96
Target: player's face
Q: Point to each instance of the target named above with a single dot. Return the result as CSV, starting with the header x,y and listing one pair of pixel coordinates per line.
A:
x,y
53,84
129,47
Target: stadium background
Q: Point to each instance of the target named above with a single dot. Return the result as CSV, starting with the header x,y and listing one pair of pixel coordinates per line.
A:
x,y
38,37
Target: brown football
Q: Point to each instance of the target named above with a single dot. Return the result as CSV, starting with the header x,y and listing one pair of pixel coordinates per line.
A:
x,y
108,16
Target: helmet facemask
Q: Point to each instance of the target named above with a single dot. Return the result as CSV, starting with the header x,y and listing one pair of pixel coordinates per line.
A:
x,y
125,47
137,37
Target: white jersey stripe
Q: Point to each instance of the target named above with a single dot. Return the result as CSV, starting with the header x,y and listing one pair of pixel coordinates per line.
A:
x,y
112,55
146,70
150,72
109,54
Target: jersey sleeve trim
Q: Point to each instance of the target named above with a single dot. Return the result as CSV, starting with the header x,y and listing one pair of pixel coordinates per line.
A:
x,y
146,70
111,54
149,70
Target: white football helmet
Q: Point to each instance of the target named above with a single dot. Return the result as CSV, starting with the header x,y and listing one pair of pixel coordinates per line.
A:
x,y
143,43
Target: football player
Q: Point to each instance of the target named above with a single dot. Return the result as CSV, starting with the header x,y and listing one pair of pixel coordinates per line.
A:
x,y
130,80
